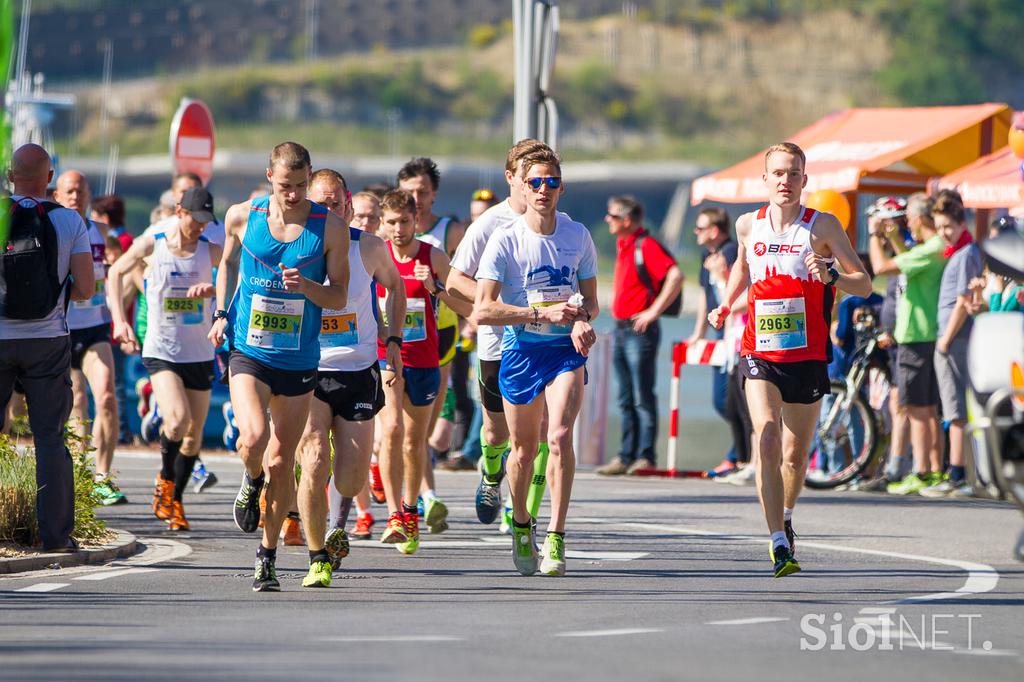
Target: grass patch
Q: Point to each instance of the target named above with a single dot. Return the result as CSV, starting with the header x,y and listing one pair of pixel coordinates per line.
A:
x,y
18,521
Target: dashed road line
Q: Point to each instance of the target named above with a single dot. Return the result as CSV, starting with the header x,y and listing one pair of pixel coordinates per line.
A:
x,y
747,621
609,633
42,587
387,639
116,573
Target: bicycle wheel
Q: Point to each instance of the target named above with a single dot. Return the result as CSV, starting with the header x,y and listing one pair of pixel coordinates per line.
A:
x,y
847,437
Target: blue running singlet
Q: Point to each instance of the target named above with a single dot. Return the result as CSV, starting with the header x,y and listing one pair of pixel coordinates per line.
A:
x,y
277,327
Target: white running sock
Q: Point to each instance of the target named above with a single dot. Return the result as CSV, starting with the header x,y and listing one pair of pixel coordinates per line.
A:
x,y
787,514
779,539
333,503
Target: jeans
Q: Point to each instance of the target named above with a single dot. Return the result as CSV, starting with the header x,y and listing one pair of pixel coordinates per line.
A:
x,y
634,359
44,368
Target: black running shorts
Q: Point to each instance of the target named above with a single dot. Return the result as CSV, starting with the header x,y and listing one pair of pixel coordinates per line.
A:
x,y
802,383
84,339
197,376
353,396
288,383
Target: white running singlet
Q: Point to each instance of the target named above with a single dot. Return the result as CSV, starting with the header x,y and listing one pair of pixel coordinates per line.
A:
x,y
177,326
348,337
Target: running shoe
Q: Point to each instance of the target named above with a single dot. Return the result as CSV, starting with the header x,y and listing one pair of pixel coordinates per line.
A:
x,y
395,532
319,575
247,511
616,467
265,579
790,536
437,515
488,497
909,485
941,489
879,484
202,479
263,506
105,492
377,484
963,491
785,563
292,532
419,507
336,545
458,463
364,522
524,551
554,555
177,520
506,521
412,533
163,495
745,476
726,467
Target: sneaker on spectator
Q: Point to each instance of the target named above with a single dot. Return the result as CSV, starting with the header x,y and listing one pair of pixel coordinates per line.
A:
x,y
639,464
964,491
878,484
941,489
745,476
726,467
817,475
616,467
458,463
909,485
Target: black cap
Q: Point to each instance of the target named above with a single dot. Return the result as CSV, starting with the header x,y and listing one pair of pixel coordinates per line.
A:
x,y
199,203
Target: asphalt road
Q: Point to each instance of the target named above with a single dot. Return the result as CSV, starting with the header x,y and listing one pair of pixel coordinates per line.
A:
x,y
667,580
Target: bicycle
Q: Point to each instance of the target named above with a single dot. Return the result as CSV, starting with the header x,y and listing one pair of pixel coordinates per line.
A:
x,y
848,430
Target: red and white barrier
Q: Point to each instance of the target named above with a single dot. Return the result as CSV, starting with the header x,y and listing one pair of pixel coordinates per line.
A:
x,y
707,353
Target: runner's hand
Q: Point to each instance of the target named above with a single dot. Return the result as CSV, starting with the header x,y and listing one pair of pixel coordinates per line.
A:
x,y
562,313
293,279
216,334
124,334
202,290
583,337
422,272
817,267
716,318
393,360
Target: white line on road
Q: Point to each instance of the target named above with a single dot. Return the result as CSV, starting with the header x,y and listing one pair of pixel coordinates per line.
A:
x,y
42,587
393,638
104,575
747,621
609,633
590,555
158,550
981,578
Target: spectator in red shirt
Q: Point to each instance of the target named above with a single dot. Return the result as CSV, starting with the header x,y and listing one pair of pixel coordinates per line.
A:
x,y
636,307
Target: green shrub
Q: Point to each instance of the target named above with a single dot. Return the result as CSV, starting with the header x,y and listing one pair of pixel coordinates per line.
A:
x,y
18,521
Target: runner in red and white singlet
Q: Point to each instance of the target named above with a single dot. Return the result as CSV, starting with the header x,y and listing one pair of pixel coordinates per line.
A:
x,y
786,252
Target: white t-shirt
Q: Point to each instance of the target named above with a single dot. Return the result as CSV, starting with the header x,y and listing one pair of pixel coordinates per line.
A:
x,y
538,270
214,230
73,239
467,260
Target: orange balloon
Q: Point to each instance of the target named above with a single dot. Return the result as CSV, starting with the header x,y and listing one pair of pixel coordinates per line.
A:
x,y
830,201
1016,140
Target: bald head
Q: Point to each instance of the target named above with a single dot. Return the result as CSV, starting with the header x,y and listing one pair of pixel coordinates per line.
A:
x,y
30,170
72,191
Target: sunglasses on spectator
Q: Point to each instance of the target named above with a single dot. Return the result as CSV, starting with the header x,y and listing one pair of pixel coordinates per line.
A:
x,y
617,216
551,182
483,195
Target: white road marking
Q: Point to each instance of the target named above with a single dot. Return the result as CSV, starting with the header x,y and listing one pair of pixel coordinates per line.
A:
x,y
747,621
981,578
393,638
104,575
609,633
505,542
42,587
158,550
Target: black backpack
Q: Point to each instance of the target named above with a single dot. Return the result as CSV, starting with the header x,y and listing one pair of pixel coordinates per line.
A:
x,y
30,261
676,305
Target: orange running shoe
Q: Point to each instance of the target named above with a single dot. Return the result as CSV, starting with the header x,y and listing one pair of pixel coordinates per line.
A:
x,y
263,505
163,495
395,532
377,484
364,522
177,521
292,532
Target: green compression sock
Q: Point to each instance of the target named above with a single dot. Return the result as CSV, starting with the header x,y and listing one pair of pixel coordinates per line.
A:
x,y
491,457
539,480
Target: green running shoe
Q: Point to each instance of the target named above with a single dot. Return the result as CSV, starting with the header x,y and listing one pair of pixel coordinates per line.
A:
x,y
319,575
412,532
554,555
436,515
105,492
910,485
265,579
784,562
336,545
524,551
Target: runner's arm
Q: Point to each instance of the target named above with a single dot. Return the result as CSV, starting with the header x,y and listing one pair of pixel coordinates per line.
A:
x,y
123,266
739,276
442,267
854,279
462,285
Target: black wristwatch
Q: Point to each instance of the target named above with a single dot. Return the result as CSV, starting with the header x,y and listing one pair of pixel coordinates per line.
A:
x,y
439,285
397,340
220,314
833,277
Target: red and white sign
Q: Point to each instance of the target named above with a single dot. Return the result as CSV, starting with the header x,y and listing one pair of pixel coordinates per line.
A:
x,y
192,139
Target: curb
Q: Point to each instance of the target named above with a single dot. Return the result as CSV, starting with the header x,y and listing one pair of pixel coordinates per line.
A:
x,y
126,544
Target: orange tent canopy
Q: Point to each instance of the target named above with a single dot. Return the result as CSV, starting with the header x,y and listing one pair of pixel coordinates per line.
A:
x,y
851,149
993,181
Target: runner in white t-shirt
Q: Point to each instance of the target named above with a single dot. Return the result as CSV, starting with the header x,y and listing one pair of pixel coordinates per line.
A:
x,y
545,272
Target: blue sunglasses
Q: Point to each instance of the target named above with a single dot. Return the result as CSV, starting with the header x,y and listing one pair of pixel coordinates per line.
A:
x,y
551,182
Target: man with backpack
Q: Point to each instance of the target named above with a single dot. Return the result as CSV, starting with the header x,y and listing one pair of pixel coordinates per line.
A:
x,y
647,283
46,260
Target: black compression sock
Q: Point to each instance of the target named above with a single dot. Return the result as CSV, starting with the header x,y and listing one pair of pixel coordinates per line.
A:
x,y
293,515
182,473
407,509
318,555
262,552
346,507
169,450
521,525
